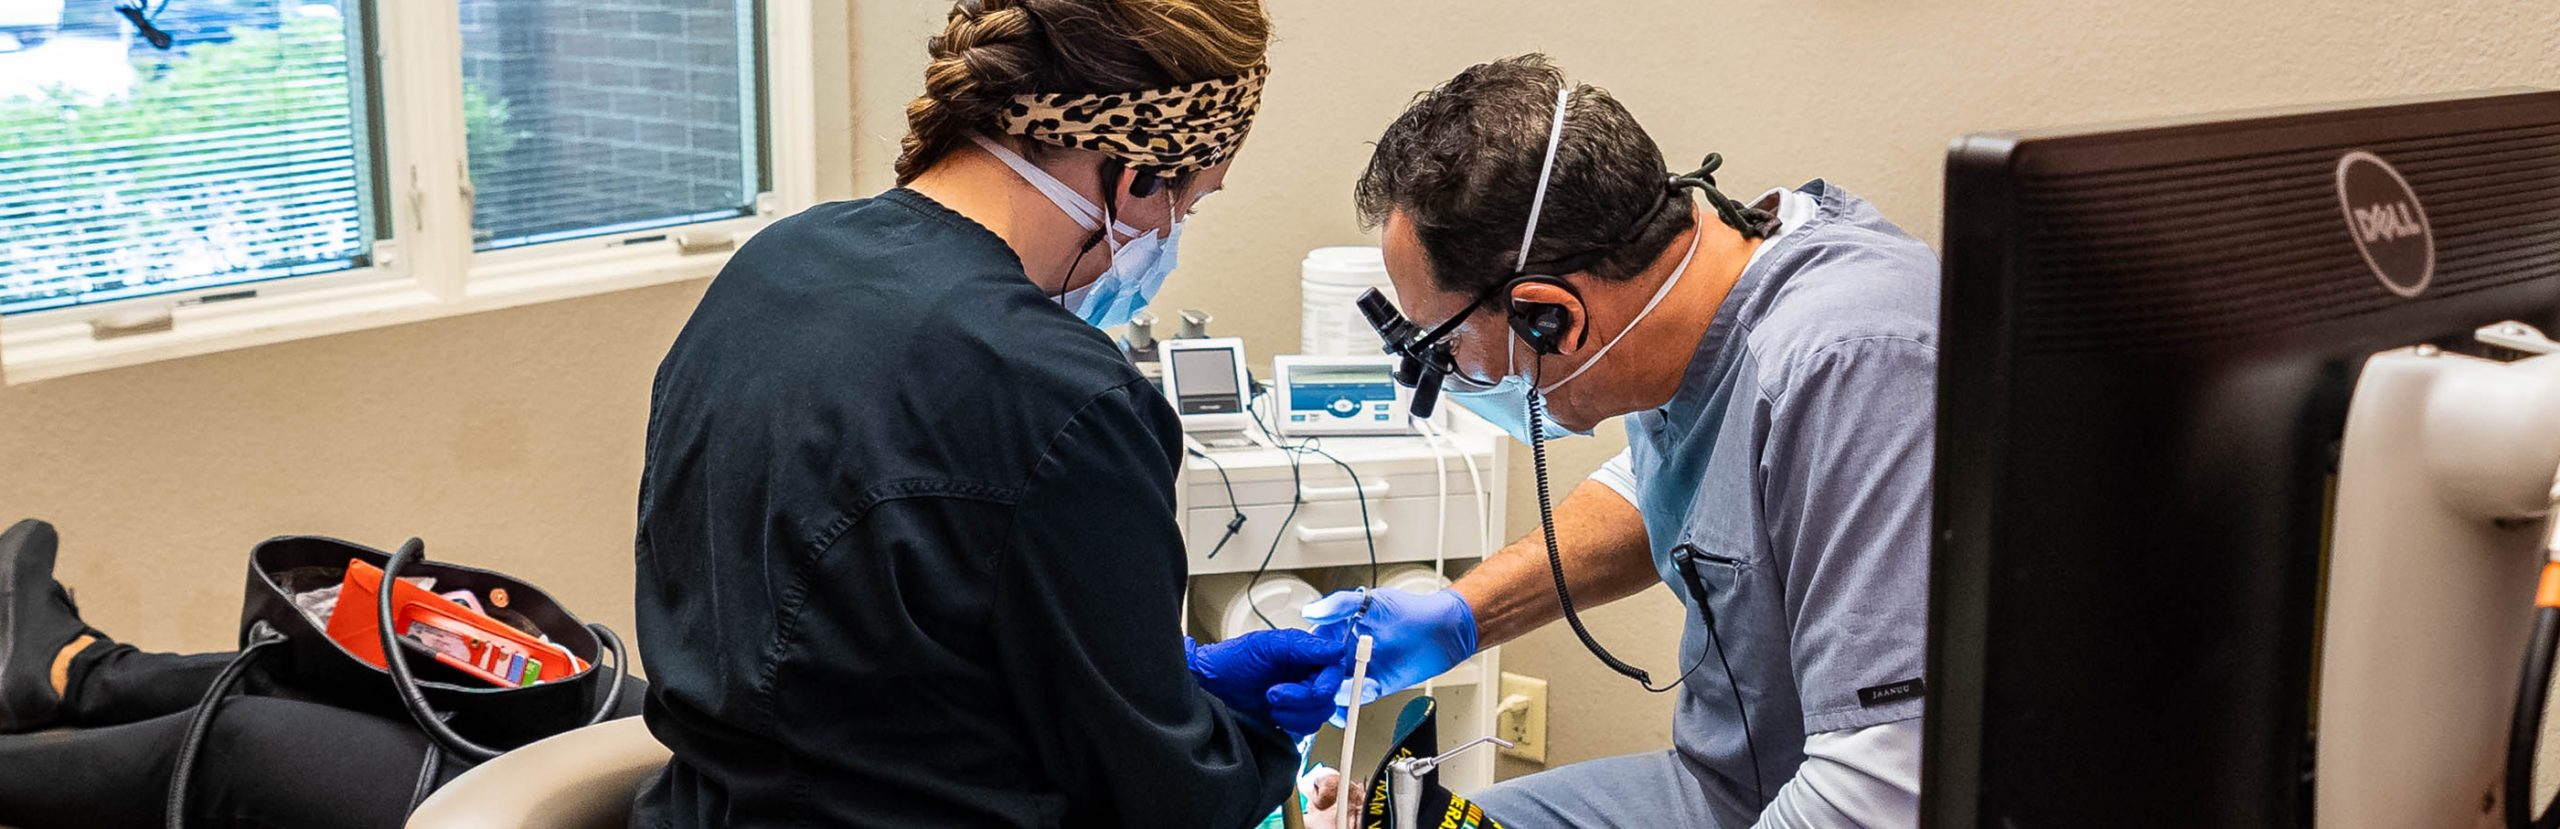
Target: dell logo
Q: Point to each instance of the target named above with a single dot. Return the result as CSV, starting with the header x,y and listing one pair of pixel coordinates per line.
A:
x,y
2387,222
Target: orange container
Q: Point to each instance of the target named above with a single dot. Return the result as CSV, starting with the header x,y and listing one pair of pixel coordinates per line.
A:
x,y
465,639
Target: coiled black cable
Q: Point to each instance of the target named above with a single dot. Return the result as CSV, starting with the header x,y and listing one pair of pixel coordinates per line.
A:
x,y
1564,598
1555,555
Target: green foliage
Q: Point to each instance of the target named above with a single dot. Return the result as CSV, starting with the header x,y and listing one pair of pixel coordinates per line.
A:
x,y
484,122
295,75
142,168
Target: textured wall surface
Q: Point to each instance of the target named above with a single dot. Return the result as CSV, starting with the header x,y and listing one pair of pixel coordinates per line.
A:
x,y
512,437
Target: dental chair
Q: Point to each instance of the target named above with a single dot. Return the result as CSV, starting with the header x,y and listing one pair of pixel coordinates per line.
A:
x,y
582,779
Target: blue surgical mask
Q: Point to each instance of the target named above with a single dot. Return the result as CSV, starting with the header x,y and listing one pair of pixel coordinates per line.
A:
x,y
1138,270
1139,266
1505,403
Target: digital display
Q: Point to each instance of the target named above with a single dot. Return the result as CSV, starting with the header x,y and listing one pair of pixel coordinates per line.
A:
x,y
1350,398
1206,380
1342,392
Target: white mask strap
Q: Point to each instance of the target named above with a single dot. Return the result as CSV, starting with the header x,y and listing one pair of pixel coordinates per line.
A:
x,y
1070,202
1079,209
1547,168
1659,295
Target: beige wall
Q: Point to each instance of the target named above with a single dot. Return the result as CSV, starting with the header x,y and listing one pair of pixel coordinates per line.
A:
x,y
513,437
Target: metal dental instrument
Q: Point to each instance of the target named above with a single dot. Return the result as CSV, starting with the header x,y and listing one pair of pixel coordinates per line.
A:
x,y
1404,780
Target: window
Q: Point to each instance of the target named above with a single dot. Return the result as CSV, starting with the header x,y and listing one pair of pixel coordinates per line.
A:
x,y
296,167
605,117
232,158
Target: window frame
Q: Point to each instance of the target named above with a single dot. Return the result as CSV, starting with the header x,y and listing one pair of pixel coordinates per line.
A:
x,y
423,265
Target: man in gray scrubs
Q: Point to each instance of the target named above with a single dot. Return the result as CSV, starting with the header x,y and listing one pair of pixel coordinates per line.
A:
x,y
1776,361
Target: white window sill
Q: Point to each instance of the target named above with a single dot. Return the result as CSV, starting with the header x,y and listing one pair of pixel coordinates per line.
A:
x,y
47,350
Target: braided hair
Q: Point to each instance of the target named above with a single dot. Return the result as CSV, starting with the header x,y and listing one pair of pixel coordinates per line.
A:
x,y
992,50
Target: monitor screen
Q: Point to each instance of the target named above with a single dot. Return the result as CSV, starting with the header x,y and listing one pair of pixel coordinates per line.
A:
x,y
1206,382
2149,339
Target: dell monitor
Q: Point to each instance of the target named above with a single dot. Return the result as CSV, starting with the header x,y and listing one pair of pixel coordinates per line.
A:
x,y
2150,336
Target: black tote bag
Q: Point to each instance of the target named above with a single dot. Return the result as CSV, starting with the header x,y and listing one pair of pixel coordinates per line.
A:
x,y
460,715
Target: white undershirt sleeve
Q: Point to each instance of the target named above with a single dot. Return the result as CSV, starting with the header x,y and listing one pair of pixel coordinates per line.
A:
x,y
1868,778
1619,474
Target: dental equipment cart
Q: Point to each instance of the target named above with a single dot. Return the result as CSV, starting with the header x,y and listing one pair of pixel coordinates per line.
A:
x,y
1447,524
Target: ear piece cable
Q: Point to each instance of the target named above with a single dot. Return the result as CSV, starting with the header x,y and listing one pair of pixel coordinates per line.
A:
x,y
1111,176
1555,556
1683,557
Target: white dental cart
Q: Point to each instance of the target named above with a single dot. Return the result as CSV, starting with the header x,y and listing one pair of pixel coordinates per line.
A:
x,y
1326,544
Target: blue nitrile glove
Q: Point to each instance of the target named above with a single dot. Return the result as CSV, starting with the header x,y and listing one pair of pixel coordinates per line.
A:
x,y
1418,635
1281,678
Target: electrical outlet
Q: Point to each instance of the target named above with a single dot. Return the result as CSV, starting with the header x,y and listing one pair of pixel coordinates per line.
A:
x,y
1522,717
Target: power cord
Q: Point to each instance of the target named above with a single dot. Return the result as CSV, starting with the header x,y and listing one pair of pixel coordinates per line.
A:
x,y
1297,498
2533,693
1475,477
1440,516
1297,452
1368,530
2533,690
1310,446
1234,524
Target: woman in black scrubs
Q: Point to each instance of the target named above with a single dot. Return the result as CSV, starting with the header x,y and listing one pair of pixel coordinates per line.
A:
x,y
907,550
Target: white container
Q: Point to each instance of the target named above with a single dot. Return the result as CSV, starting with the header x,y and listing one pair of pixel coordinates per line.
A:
x,y
1220,606
1330,282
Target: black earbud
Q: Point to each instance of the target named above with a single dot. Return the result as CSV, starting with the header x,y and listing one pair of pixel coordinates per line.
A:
x,y
1145,185
1539,324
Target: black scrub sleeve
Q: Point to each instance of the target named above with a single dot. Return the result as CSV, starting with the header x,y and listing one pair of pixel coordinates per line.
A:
x,y
1088,632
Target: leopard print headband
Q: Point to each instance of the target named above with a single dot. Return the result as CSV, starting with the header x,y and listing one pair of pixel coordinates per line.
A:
x,y
1174,129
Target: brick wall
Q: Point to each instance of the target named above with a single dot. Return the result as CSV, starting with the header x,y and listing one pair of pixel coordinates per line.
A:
x,y
625,110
